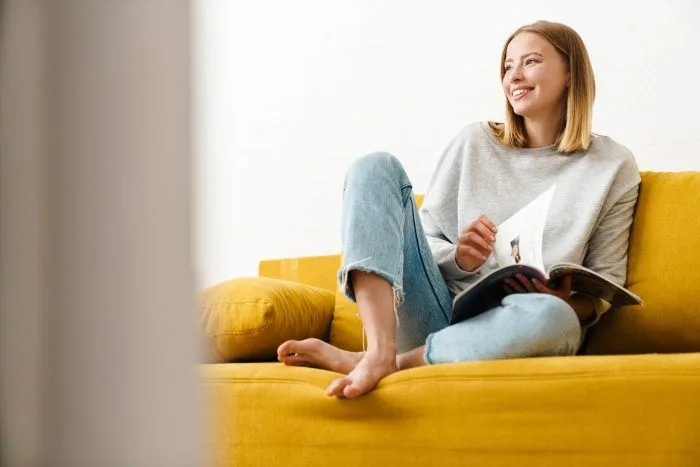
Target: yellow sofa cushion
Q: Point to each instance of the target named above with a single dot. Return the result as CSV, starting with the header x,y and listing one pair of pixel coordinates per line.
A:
x,y
247,319
664,256
639,410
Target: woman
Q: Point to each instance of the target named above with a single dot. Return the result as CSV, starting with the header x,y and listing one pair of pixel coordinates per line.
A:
x,y
404,272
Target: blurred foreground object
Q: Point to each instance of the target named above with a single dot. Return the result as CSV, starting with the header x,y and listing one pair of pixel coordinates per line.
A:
x,y
97,348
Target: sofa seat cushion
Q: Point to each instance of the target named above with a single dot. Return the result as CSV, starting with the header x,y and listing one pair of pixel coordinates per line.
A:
x,y
590,410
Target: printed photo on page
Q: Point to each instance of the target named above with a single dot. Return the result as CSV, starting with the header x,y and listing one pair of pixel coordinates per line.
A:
x,y
519,238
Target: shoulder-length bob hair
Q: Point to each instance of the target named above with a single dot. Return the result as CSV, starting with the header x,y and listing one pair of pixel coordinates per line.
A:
x,y
575,132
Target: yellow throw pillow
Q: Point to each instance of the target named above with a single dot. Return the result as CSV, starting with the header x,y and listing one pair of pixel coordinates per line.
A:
x,y
664,254
247,319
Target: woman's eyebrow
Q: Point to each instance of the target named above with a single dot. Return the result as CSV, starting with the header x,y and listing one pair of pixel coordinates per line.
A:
x,y
523,56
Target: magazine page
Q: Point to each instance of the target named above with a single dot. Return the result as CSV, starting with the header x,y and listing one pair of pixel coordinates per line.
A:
x,y
519,238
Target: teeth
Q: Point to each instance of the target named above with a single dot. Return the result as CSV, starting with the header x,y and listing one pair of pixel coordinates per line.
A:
x,y
519,92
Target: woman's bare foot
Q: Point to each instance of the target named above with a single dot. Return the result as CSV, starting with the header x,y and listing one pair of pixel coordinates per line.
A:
x,y
364,377
318,354
364,370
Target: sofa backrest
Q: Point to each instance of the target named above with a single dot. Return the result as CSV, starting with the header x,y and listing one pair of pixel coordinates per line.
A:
x,y
663,268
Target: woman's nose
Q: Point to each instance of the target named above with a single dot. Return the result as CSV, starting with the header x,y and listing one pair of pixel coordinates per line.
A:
x,y
516,74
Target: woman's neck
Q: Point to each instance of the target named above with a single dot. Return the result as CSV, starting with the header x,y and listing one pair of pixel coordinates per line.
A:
x,y
542,132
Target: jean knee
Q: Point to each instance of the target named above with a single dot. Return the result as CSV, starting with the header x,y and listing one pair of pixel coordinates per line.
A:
x,y
551,321
376,163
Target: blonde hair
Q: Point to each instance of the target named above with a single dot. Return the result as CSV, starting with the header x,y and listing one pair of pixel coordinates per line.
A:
x,y
575,132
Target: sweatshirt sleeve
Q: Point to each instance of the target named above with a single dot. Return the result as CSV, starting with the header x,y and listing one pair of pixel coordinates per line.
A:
x,y
607,246
440,202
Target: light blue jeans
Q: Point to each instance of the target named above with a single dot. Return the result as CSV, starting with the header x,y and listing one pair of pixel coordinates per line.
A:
x,y
382,233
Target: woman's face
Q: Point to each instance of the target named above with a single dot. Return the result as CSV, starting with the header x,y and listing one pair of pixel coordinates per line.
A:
x,y
536,77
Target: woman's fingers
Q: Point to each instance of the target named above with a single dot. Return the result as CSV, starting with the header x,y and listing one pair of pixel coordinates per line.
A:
x,y
487,223
558,292
541,287
475,244
521,284
483,229
475,240
514,285
527,283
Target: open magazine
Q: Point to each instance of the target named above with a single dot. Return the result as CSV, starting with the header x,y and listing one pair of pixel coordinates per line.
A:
x,y
518,249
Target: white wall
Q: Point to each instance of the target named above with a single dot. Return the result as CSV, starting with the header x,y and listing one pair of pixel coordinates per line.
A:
x,y
289,93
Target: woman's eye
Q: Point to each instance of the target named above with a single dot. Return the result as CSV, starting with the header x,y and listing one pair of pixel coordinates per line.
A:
x,y
530,60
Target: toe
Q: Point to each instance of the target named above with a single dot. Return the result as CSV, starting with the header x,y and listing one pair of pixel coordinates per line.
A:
x,y
285,349
294,360
337,386
356,389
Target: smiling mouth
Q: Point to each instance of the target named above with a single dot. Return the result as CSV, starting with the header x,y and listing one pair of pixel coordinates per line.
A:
x,y
520,93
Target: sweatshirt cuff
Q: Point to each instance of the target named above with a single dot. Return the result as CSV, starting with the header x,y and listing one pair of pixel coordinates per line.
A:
x,y
451,270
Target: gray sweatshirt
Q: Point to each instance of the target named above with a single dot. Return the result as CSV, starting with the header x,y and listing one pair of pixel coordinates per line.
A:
x,y
589,218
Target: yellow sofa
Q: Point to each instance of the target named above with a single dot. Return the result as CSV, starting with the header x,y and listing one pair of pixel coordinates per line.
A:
x,y
631,398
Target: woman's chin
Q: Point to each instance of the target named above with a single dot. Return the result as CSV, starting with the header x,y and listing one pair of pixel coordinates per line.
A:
x,y
521,110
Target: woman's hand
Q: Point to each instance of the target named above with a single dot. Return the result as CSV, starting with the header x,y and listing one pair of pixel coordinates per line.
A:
x,y
475,244
521,284
583,306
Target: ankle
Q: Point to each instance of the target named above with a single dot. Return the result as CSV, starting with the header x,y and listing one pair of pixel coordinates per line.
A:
x,y
384,353
410,359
